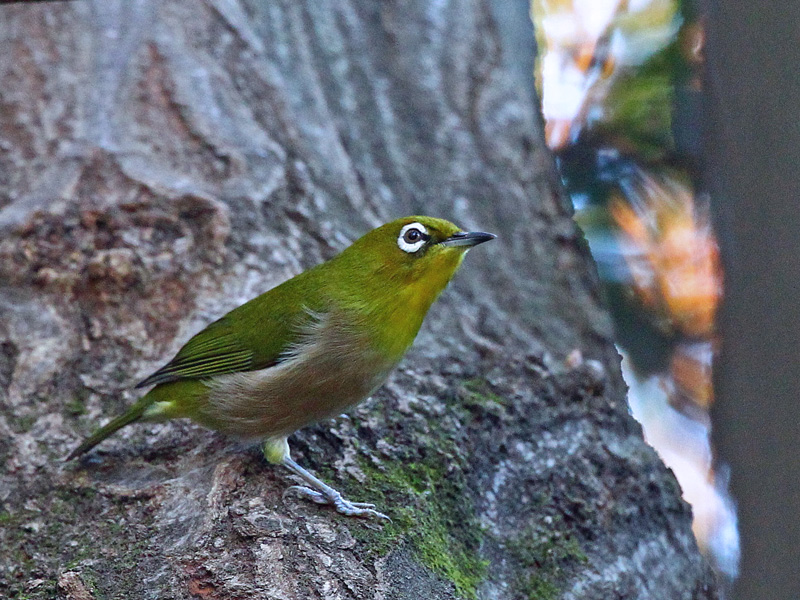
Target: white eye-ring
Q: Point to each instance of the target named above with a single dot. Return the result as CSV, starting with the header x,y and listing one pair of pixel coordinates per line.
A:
x,y
412,237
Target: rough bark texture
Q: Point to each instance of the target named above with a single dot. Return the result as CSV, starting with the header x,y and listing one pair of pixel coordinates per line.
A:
x,y
163,161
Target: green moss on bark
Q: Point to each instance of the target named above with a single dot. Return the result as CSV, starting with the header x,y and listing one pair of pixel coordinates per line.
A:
x,y
422,485
431,512
66,529
546,557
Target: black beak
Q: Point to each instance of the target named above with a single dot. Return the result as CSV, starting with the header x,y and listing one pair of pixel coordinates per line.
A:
x,y
467,238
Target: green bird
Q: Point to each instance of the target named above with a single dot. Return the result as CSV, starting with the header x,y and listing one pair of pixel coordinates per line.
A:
x,y
309,348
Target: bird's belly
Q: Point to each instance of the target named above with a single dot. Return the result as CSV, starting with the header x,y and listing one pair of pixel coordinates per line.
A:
x,y
317,383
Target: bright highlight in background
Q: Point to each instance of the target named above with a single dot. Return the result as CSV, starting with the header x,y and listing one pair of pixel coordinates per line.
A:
x,y
617,81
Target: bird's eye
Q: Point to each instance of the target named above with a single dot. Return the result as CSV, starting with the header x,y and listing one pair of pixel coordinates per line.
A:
x,y
412,237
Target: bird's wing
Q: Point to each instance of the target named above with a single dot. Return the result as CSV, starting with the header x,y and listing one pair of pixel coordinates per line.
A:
x,y
256,335
214,351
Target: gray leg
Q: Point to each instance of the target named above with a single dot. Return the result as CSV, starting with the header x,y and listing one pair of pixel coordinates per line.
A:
x,y
321,493
277,450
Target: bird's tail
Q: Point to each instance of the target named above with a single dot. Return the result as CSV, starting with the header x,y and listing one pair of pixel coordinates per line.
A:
x,y
134,414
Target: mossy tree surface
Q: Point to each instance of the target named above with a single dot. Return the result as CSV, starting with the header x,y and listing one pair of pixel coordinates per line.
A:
x,y
160,163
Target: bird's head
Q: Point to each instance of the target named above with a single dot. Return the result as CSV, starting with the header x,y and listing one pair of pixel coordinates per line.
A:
x,y
423,252
394,273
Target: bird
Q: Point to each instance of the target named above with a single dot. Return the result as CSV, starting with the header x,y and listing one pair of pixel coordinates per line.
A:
x,y
309,348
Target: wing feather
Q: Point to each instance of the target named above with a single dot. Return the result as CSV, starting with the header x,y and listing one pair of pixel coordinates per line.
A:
x,y
213,351
256,335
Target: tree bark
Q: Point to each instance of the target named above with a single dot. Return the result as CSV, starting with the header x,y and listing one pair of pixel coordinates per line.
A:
x,y
164,161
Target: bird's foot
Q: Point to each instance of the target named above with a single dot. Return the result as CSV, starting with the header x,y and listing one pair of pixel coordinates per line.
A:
x,y
342,505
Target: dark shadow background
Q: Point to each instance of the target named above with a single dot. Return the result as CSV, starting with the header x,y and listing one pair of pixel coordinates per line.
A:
x,y
754,153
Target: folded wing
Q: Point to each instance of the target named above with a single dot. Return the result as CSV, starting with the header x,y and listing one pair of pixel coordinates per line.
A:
x,y
214,351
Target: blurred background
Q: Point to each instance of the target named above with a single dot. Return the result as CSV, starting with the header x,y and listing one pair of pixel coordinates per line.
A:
x,y
621,84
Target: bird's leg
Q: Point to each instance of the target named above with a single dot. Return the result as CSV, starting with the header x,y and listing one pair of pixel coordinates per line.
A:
x,y
277,451
321,493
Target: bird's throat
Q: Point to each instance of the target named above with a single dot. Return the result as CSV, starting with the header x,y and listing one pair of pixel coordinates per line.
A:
x,y
407,308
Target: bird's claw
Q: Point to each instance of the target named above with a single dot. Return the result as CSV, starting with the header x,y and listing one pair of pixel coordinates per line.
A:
x,y
342,506
307,493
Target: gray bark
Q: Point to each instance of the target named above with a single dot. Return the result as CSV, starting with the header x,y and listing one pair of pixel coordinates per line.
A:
x,y
163,161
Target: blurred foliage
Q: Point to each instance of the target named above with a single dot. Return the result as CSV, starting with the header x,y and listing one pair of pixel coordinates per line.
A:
x,y
621,86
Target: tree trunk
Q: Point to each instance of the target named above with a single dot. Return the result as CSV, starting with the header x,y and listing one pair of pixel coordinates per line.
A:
x,y
163,161
754,152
